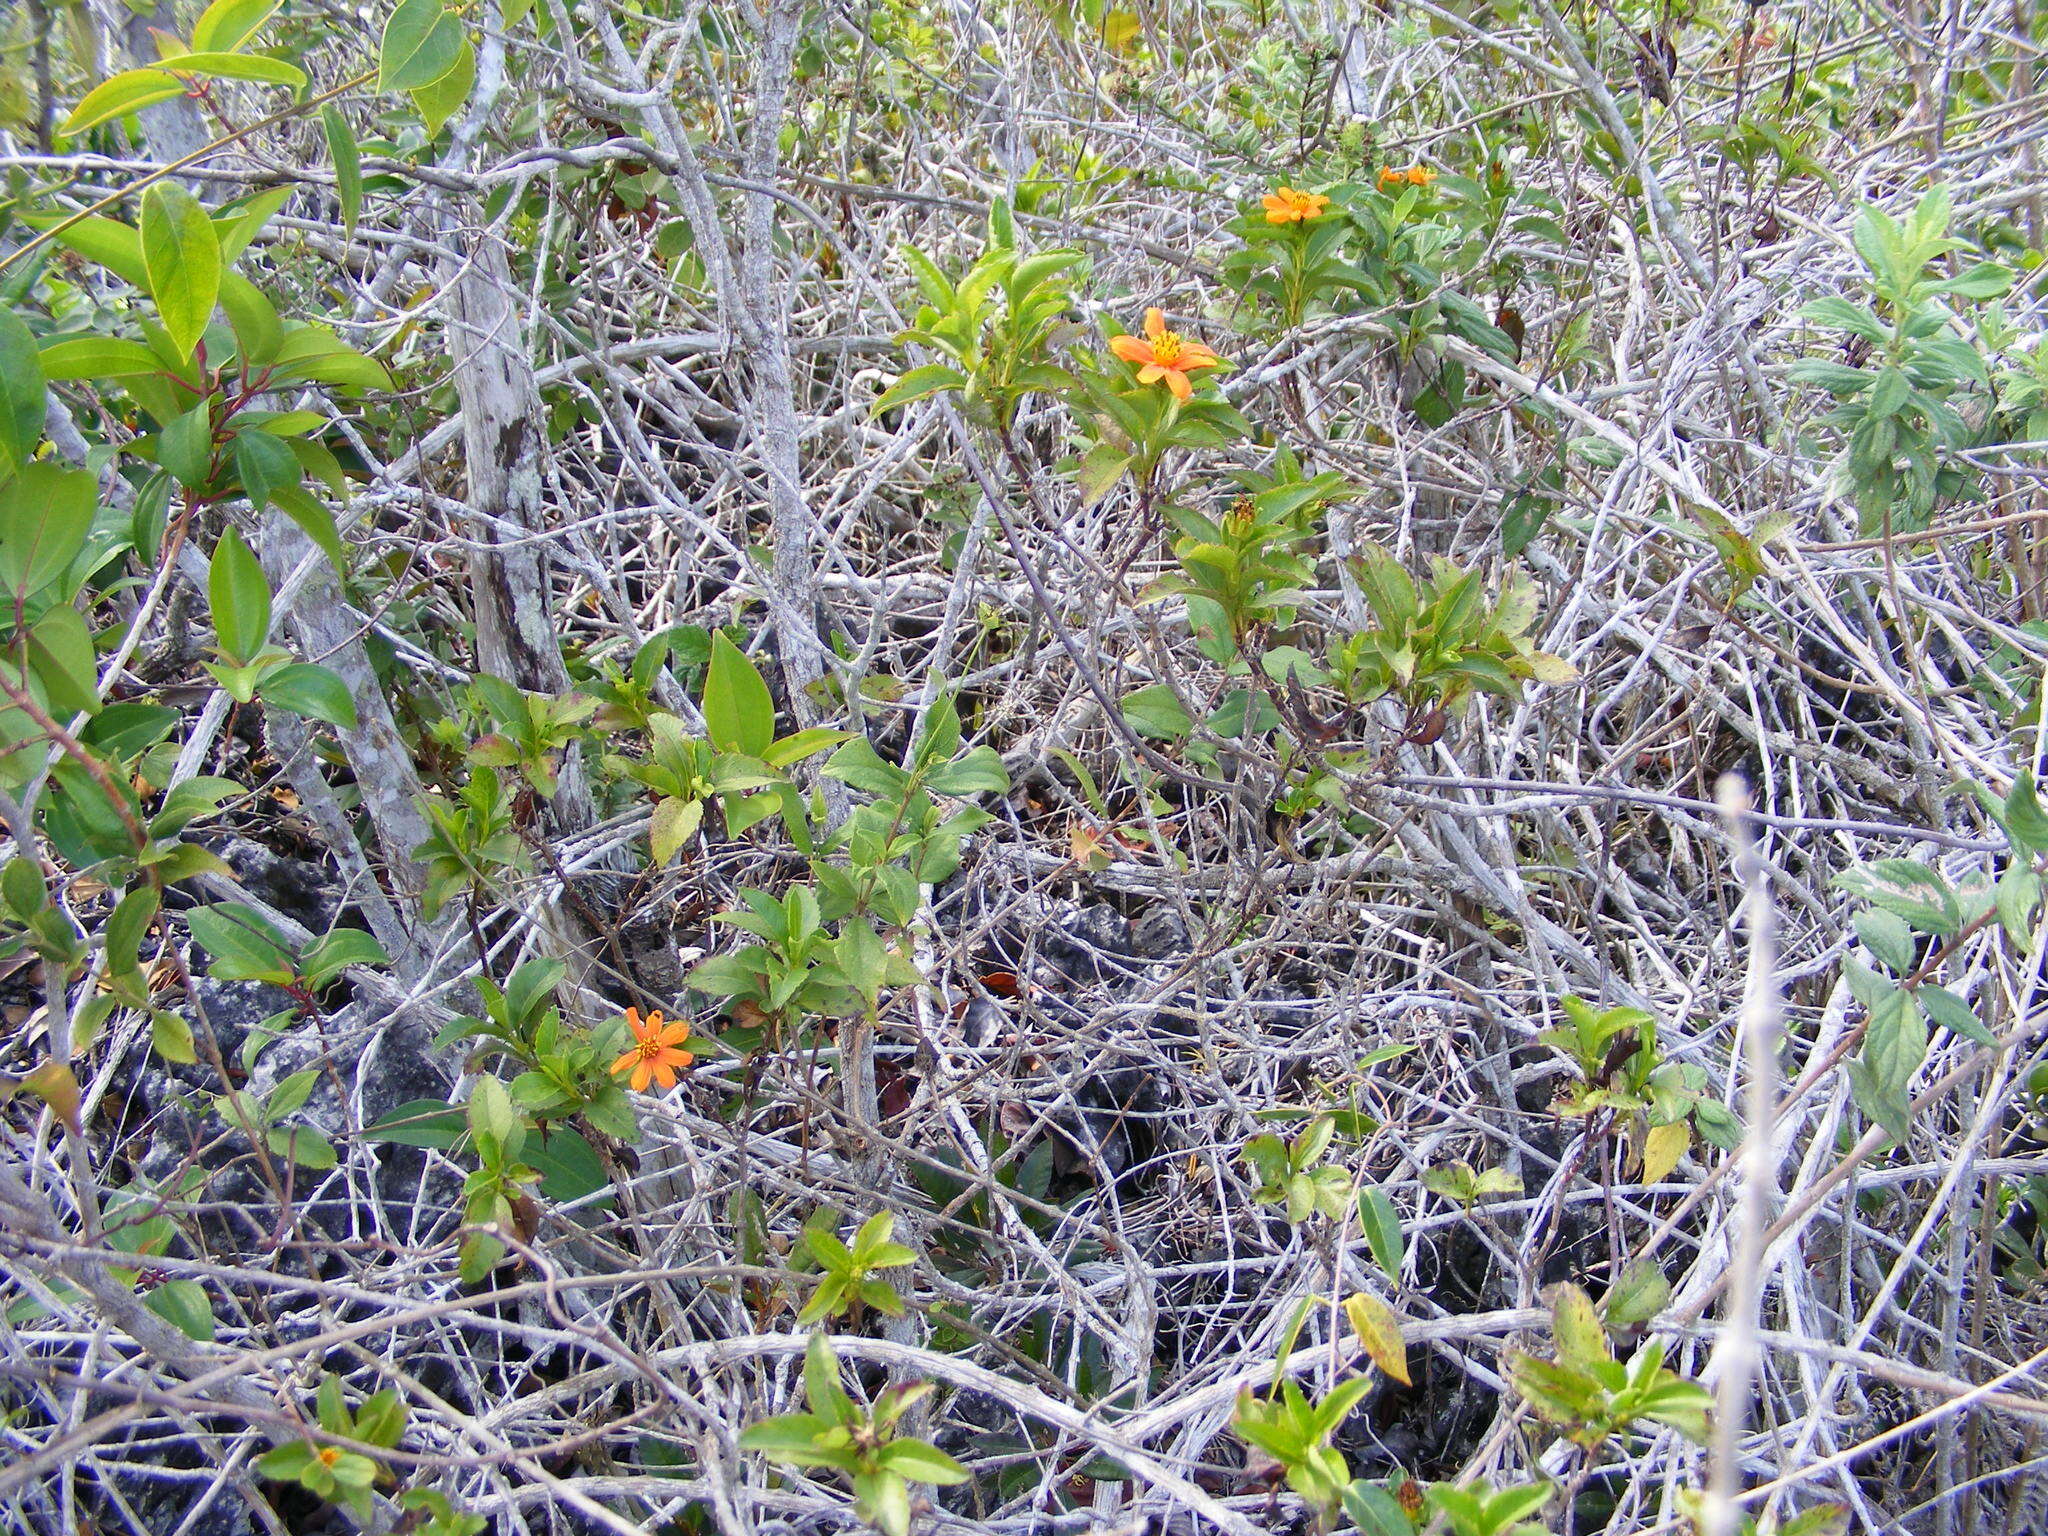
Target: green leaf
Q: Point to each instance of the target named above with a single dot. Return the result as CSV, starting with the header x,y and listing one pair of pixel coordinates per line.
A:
x,y
491,1112
171,1038
129,91
265,464
981,771
1911,890
181,255
1886,936
188,801
21,392
1375,1511
60,654
255,323
1158,712
2017,894
821,1383
419,1123
883,1498
127,927
793,1439
227,24
739,715
243,220
440,101
1637,1296
917,384
1098,471
291,1094
920,1463
833,1256
286,1462
236,66
1844,315
114,245
315,521
1986,280
348,164
312,354
244,947
381,1419
857,763
1681,1404
97,357
241,600
2021,815
312,691
185,447
422,41
327,957
1382,1227
1838,379
568,1165
46,514
1953,1014
183,1304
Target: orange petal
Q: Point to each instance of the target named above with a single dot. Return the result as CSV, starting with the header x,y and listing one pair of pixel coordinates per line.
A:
x,y
1194,355
625,1061
664,1074
1152,373
1178,383
633,1021
1155,323
674,1034
641,1073
1131,349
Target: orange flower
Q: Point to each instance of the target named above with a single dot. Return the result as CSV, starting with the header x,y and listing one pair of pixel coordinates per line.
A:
x,y
1287,206
1164,355
657,1051
1418,175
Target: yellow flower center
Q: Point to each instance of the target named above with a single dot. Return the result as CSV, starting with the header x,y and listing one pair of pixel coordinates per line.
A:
x,y
1166,349
649,1048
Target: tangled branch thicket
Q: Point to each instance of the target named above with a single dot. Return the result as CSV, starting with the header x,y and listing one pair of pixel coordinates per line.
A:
x,y
1249,993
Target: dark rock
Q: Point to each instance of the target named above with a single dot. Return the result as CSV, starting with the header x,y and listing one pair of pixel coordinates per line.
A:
x,y
1114,1126
1094,944
232,1009
301,889
1160,934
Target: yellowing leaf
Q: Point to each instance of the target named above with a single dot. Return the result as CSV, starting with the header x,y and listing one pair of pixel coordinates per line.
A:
x,y
53,1083
1379,1331
1086,846
674,823
1119,31
1576,1329
1662,1148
